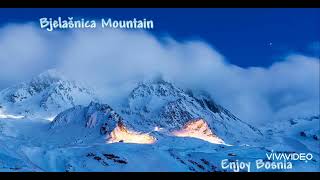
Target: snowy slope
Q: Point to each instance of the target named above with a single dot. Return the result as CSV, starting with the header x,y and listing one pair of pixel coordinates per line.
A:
x,y
84,124
15,134
296,134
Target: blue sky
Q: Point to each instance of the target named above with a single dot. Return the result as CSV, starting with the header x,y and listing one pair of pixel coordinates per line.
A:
x,y
246,37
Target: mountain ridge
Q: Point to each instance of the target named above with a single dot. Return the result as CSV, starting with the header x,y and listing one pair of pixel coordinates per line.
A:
x,y
44,95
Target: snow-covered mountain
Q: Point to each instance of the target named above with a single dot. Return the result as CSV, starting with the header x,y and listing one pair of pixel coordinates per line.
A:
x,y
95,123
154,108
160,104
44,96
160,127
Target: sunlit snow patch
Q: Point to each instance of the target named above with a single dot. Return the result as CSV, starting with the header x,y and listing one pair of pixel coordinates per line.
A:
x,y
198,128
122,134
50,118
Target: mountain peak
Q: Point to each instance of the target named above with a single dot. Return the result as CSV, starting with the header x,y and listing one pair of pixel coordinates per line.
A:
x,y
158,88
49,92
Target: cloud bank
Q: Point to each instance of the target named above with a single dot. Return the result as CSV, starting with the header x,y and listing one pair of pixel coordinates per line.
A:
x,y
114,61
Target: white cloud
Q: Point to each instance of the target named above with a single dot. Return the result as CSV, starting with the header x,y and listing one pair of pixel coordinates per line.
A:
x,y
24,52
114,61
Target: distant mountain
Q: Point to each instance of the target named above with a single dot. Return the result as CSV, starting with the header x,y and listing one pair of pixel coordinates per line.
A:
x,y
44,96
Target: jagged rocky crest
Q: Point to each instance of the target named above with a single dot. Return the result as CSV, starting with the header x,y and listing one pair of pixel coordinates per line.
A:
x,y
47,94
